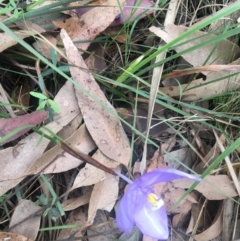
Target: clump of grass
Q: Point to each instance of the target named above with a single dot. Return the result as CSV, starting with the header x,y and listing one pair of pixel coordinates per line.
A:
x,y
128,77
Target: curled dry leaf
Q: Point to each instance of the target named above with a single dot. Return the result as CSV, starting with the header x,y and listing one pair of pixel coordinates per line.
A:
x,y
29,228
217,187
214,230
10,124
104,127
195,211
16,161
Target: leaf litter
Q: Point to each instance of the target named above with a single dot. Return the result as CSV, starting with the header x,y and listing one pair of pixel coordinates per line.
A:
x,y
103,134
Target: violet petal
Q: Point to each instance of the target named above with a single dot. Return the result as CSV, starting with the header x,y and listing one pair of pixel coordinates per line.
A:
x,y
141,207
150,220
124,218
162,175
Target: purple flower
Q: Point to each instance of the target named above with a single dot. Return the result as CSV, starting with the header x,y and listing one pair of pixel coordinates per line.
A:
x,y
140,206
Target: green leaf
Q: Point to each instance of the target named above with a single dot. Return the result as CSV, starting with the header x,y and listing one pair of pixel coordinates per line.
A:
x,y
6,10
38,95
129,70
54,106
42,105
69,226
53,53
43,199
15,13
12,2
54,214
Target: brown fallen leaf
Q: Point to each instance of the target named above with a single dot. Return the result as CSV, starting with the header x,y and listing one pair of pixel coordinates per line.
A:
x,y
103,226
199,69
183,155
95,61
66,101
70,25
104,127
6,41
62,160
157,161
78,217
74,203
16,161
130,11
10,124
199,88
200,55
13,236
104,196
214,230
30,227
179,218
92,23
90,175
196,218
171,196
217,187
44,48
210,157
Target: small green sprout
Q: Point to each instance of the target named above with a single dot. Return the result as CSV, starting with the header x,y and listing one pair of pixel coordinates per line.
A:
x,y
43,99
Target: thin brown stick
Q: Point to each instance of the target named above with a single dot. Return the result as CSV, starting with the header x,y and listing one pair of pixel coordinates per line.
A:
x,y
82,156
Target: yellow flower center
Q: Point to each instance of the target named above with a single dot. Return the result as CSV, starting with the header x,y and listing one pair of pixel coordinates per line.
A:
x,y
155,201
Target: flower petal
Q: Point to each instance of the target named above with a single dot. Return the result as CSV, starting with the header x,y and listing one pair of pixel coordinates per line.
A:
x,y
124,220
124,217
162,175
151,221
